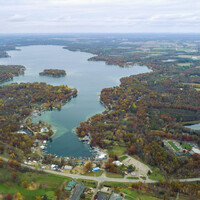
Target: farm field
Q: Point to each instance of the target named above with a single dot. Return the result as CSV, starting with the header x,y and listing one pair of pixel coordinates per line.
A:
x,y
174,146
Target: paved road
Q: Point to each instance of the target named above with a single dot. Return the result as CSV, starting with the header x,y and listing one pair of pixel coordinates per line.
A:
x,y
104,178
123,180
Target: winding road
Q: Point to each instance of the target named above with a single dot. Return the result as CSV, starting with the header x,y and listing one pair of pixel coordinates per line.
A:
x,y
103,177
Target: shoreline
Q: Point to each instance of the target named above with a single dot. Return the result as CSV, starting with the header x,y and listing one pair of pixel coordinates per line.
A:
x,y
36,112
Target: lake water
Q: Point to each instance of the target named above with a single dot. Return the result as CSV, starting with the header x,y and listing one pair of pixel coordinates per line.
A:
x,y
194,126
88,77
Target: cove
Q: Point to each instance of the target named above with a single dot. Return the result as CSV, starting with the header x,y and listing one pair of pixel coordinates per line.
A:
x,y
194,126
89,78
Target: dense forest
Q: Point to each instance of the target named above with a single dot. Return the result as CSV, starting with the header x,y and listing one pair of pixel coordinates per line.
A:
x,y
142,112
148,108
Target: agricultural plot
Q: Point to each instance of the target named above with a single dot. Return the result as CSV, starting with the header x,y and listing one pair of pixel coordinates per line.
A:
x,y
173,146
186,146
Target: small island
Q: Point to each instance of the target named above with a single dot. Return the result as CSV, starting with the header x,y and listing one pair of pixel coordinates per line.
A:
x,y
53,72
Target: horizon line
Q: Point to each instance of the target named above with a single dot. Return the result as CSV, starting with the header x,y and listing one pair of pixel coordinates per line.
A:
x,y
102,33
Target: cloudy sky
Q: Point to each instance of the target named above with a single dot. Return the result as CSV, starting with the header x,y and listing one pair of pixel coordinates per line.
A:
x,y
65,16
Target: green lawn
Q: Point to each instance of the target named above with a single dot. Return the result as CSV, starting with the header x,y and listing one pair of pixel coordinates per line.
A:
x,y
156,175
88,196
117,150
129,198
135,195
96,174
27,194
50,182
122,158
88,183
186,146
136,178
113,175
174,146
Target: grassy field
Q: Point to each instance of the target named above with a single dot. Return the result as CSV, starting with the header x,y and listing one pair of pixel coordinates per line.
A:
x,y
88,196
48,182
88,183
96,174
155,175
112,175
115,184
117,150
186,146
174,146
136,178
122,158
136,195
129,198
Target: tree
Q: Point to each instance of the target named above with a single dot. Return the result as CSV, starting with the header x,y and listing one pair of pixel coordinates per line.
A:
x,y
9,197
19,196
131,150
165,196
1,163
149,173
58,193
14,176
88,166
25,184
44,197
83,196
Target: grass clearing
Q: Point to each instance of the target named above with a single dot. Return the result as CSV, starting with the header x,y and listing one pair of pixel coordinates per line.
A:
x,y
173,146
49,183
128,198
136,178
89,183
88,196
187,146
156,175
122,158
117,150
96,174
112,175
136,195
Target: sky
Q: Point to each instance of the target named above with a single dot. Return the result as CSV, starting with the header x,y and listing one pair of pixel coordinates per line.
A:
x,y
99,16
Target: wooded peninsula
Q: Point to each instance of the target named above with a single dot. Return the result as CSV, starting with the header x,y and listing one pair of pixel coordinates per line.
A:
x,y
7,72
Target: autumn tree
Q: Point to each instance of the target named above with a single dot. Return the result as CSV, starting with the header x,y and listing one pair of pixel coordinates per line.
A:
x,y
58,193
88,166
9,197
19,196
25,184
14,176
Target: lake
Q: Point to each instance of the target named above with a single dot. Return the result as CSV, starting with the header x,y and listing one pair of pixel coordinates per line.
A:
x,y
88,77
194,126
